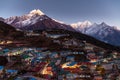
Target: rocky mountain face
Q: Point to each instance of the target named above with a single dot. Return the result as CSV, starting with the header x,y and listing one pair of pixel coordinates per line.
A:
x,y
103,32
36,20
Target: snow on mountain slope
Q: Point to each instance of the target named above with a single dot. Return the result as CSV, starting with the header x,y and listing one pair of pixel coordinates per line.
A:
x,y
58,21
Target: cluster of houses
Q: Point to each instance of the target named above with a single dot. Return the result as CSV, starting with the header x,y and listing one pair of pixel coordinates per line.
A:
x,y
80,60
40,63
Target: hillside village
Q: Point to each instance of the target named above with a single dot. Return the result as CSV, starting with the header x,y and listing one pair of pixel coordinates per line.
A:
x,y
65,58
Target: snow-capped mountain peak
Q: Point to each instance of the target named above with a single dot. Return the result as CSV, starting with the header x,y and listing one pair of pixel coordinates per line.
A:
x,y
28,19
87,23
81,24
36,20
36,11
104,24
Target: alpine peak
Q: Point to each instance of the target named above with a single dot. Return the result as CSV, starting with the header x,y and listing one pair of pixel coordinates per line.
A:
x,y
36,11
88,23
103,24
81,24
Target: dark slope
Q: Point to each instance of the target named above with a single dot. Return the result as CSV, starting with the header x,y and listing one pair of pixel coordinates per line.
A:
x,y
9,32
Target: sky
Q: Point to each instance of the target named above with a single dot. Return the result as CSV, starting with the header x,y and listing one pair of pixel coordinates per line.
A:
x,y
68,11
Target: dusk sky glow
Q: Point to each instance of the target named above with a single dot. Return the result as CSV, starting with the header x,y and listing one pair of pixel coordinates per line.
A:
x,y
68,11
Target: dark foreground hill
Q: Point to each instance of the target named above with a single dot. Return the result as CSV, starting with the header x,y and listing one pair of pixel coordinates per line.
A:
x,y
9,32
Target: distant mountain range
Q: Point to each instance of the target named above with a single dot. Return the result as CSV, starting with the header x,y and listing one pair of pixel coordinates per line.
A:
x,y
103,32
37,20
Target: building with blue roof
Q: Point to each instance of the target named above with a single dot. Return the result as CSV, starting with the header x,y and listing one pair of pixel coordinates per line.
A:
x,y
31,78
1,67
72,63
10,71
